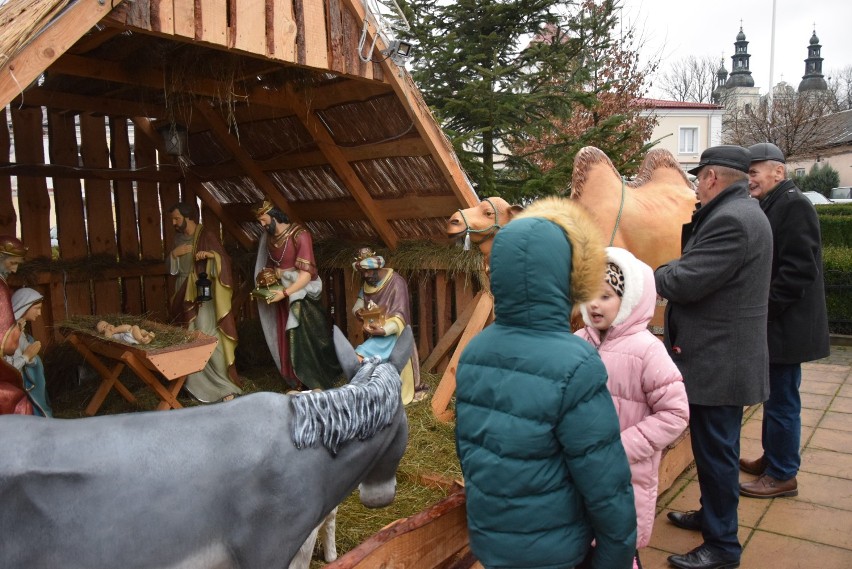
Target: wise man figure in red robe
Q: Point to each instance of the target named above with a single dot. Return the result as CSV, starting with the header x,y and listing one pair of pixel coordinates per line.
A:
x,y
295,324
13,397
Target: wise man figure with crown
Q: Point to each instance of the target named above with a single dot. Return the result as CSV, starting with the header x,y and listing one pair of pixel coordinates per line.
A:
x,y
294,320
13,397
384,306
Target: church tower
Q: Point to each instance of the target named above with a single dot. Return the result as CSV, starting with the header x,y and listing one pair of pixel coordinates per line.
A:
x,y
813,79
740,92
740,74
718,96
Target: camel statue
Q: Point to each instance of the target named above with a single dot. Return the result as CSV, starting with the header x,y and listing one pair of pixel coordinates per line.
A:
x,y
479,224
644,216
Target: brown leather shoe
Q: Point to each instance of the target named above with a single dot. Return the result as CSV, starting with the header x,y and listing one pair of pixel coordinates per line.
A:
x,y
756,466
768,487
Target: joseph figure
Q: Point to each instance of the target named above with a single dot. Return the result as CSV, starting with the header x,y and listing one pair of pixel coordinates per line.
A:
x,y
199,250
295,324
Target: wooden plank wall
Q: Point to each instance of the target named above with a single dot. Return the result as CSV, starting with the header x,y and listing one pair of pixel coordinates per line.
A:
x,y
323,34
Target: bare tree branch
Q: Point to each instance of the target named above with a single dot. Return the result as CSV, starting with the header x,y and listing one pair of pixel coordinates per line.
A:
x,y
690,79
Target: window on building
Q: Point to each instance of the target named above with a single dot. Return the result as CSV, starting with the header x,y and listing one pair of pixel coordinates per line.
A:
x,y
688,140
800,171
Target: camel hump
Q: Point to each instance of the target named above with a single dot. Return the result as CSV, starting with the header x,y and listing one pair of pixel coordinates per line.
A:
x,y
591,166
660,166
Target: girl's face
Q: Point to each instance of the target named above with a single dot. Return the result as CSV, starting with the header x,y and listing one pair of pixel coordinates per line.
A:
x,y
603,309
32,313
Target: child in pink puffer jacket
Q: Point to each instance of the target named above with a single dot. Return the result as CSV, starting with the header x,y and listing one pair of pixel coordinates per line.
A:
x,y
644,382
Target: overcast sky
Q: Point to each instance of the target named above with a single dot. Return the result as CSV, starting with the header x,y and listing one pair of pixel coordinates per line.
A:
x,y
674,29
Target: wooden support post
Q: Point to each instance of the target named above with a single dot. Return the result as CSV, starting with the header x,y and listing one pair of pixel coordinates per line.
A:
x,y
167,396
448,340
444,392
109,377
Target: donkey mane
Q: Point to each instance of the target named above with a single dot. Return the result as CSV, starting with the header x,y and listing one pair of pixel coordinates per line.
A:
x,y
359,409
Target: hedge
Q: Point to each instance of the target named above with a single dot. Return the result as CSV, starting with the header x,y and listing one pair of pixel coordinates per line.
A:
x,y
837,264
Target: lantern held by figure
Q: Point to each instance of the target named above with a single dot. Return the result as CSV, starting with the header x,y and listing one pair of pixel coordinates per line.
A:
x,y
203,288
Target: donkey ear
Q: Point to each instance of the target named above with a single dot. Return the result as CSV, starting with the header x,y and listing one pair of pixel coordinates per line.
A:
x,y
345,354
402,349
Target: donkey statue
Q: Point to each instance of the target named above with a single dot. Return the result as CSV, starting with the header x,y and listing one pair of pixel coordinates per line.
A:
x,y
241,484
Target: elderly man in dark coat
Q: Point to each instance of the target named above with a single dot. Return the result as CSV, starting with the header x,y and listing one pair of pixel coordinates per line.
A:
x,y
715,330
798,323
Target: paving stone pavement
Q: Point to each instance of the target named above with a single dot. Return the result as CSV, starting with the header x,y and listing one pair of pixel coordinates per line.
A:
x,y
811,530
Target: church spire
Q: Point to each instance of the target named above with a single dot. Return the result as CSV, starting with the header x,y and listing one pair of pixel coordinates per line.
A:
x,y
813,79
740,74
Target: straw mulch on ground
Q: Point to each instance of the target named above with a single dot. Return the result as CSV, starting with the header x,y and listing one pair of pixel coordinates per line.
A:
x,y
430,454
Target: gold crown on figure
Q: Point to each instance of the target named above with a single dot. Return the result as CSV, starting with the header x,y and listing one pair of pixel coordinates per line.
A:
x,y
364,253
263,208
12,246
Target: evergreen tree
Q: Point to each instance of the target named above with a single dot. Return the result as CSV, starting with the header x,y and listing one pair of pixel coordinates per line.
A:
x,y
501,73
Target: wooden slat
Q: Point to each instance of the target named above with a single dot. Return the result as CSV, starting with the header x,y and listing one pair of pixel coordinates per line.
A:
x,y
99,217
431,538
125,215
162,16
447,387
184,18
316,48
336,47
8,215
282,34
443,312
150,230
71,298
353,283
464,292
212,21
249,26
33,199
426,324
24,67
447,341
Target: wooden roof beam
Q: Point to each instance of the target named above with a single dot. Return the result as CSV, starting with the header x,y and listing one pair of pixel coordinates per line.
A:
x,y
252,169
144,126
55,39
58,100
397,208
152,78
165,173
337,160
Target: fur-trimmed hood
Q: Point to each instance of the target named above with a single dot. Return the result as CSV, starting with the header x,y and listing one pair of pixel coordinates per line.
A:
x,y
547,259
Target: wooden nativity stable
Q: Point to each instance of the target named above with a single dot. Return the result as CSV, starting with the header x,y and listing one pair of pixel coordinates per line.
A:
x,y
275,100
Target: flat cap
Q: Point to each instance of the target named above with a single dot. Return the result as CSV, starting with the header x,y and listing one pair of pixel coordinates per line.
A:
x,y
766,151
735,157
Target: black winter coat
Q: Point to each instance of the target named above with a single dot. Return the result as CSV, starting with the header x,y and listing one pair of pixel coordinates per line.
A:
x,y
798,324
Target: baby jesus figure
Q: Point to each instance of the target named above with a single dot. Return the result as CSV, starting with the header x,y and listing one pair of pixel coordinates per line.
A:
x,y
130,334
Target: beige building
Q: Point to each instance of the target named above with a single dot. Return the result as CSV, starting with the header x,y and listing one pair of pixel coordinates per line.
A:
x,y
684,129
836,152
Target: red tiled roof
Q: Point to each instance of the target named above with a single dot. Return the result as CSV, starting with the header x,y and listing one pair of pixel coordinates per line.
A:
x,y
662,104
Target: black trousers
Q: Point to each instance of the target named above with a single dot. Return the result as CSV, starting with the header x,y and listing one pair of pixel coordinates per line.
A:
x,y
715,433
